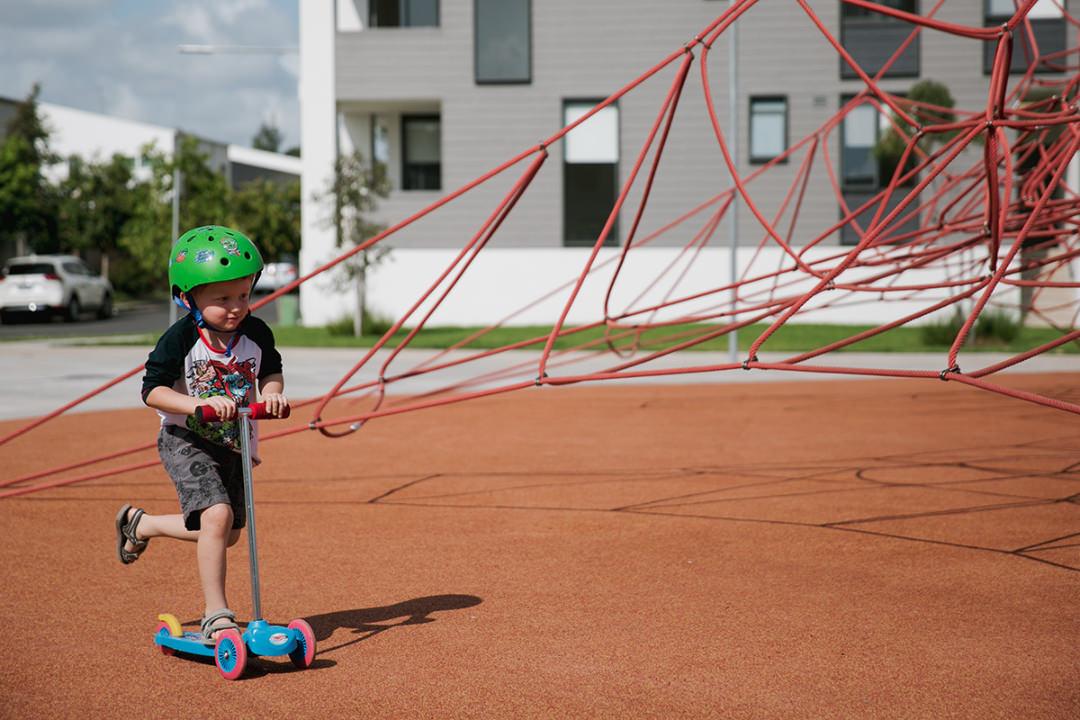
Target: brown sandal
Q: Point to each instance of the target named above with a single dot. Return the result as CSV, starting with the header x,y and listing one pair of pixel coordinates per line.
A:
x,y
125,532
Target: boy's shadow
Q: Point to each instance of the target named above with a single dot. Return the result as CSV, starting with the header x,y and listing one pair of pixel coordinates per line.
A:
x,y
368,622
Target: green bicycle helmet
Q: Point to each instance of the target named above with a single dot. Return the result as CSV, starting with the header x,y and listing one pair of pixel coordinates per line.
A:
x,y
209,254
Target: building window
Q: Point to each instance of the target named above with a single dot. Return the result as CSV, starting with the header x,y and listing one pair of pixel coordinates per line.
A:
x,y
768,128
421,167
590,172
871,39
859,132
1047,25
503,41
404,13
861,175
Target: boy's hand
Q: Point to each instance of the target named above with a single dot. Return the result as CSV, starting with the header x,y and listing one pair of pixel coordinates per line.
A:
x,y
223,406
275,403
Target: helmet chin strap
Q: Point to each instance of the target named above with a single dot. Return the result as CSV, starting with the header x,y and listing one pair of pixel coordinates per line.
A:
x,y
200,321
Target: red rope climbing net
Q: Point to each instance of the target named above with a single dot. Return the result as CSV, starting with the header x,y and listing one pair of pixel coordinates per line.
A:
x,y
978,198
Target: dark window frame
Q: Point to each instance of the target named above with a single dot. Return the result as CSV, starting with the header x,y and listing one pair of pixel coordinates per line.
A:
x,y
989,48
869,189
405,118
403,6
613,238
476,50
761,159
848,73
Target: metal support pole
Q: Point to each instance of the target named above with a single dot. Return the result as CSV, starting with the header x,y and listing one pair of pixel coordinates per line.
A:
x,y
249,504
733,209
176,180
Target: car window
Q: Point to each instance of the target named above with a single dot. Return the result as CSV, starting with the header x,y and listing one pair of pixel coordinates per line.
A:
x,y
31,269
73,268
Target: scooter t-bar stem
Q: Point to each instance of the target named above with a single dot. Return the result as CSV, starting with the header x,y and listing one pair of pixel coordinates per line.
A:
x,y
206,413
249,500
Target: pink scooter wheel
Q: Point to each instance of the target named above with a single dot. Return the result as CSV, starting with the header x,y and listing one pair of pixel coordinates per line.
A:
x,y
163,629
230,654
304,654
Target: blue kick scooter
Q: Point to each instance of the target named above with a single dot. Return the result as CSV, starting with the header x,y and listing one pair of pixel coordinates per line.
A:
x,y
231,649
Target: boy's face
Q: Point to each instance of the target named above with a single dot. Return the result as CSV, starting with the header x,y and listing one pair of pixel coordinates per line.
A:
x,y
224,304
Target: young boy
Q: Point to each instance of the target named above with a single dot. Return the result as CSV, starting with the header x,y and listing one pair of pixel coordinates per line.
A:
x,y
213,356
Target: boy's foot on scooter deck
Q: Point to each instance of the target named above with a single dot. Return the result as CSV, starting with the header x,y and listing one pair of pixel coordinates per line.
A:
x,y
215,622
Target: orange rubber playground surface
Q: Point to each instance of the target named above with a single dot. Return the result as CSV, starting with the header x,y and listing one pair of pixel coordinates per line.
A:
x,y
856,549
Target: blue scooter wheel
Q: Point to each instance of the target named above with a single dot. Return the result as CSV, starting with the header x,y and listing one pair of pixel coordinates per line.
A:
x,y
304,654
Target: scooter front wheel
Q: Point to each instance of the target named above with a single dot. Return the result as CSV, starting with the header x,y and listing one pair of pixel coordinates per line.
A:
x,y
304,654
230,654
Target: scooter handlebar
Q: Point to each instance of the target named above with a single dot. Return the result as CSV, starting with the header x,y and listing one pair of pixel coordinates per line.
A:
x,y
206,413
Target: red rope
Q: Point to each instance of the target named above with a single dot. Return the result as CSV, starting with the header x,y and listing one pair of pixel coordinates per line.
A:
x,y
1001,223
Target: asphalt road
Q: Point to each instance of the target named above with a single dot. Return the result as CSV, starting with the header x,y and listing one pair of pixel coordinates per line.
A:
x,y
136,318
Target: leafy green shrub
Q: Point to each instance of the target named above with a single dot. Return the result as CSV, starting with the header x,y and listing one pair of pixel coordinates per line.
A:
x,y
942,332
374,323
997,325
342,327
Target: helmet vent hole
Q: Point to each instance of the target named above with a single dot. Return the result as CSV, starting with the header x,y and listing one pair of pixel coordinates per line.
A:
x,y
247,256
211,238
224,261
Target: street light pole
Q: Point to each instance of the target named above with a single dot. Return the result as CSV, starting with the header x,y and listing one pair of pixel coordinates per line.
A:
x,y
176,180
733,208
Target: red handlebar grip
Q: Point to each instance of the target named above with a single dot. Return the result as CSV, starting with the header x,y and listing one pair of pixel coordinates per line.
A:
x,y
206,413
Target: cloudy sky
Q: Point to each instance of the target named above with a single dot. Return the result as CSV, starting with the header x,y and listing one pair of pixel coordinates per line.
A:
x,y
120,58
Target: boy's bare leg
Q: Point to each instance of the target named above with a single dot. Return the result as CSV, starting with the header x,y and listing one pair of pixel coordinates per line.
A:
x,y
151,526
213,539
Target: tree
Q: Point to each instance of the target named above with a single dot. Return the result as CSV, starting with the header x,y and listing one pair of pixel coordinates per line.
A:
x,y
268,137
147,235
269,213
27,200
352,195
95,203
204,193
146,238
890,148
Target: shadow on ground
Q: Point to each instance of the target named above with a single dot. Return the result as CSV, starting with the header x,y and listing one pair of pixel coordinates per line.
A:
x,y
368,622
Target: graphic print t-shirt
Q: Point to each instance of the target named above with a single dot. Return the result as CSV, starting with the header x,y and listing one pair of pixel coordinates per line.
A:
x,y
183,362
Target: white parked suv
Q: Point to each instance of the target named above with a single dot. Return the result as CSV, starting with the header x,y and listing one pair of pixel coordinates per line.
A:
x,y
52,284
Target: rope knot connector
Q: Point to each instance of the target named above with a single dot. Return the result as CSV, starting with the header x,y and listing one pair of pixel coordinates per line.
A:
x,y
540,379
747,361
946,371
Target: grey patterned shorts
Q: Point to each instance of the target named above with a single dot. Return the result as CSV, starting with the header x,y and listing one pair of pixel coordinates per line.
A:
x,y
204,474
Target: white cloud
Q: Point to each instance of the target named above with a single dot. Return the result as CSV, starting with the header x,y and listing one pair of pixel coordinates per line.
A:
x,y
121,58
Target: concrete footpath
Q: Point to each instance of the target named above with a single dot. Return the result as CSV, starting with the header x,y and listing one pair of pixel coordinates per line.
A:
x,y
40,376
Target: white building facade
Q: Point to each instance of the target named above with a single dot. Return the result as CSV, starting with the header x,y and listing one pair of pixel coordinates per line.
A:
x,y
442,91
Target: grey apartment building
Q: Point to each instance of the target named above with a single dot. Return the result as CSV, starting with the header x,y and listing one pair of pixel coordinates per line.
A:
x,y
441,91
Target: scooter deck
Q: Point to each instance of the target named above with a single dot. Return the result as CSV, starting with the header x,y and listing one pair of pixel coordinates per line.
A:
x,y
190,643
260,637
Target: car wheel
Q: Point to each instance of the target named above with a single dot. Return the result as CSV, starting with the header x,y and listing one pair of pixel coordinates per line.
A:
x,y
71,314
105,311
